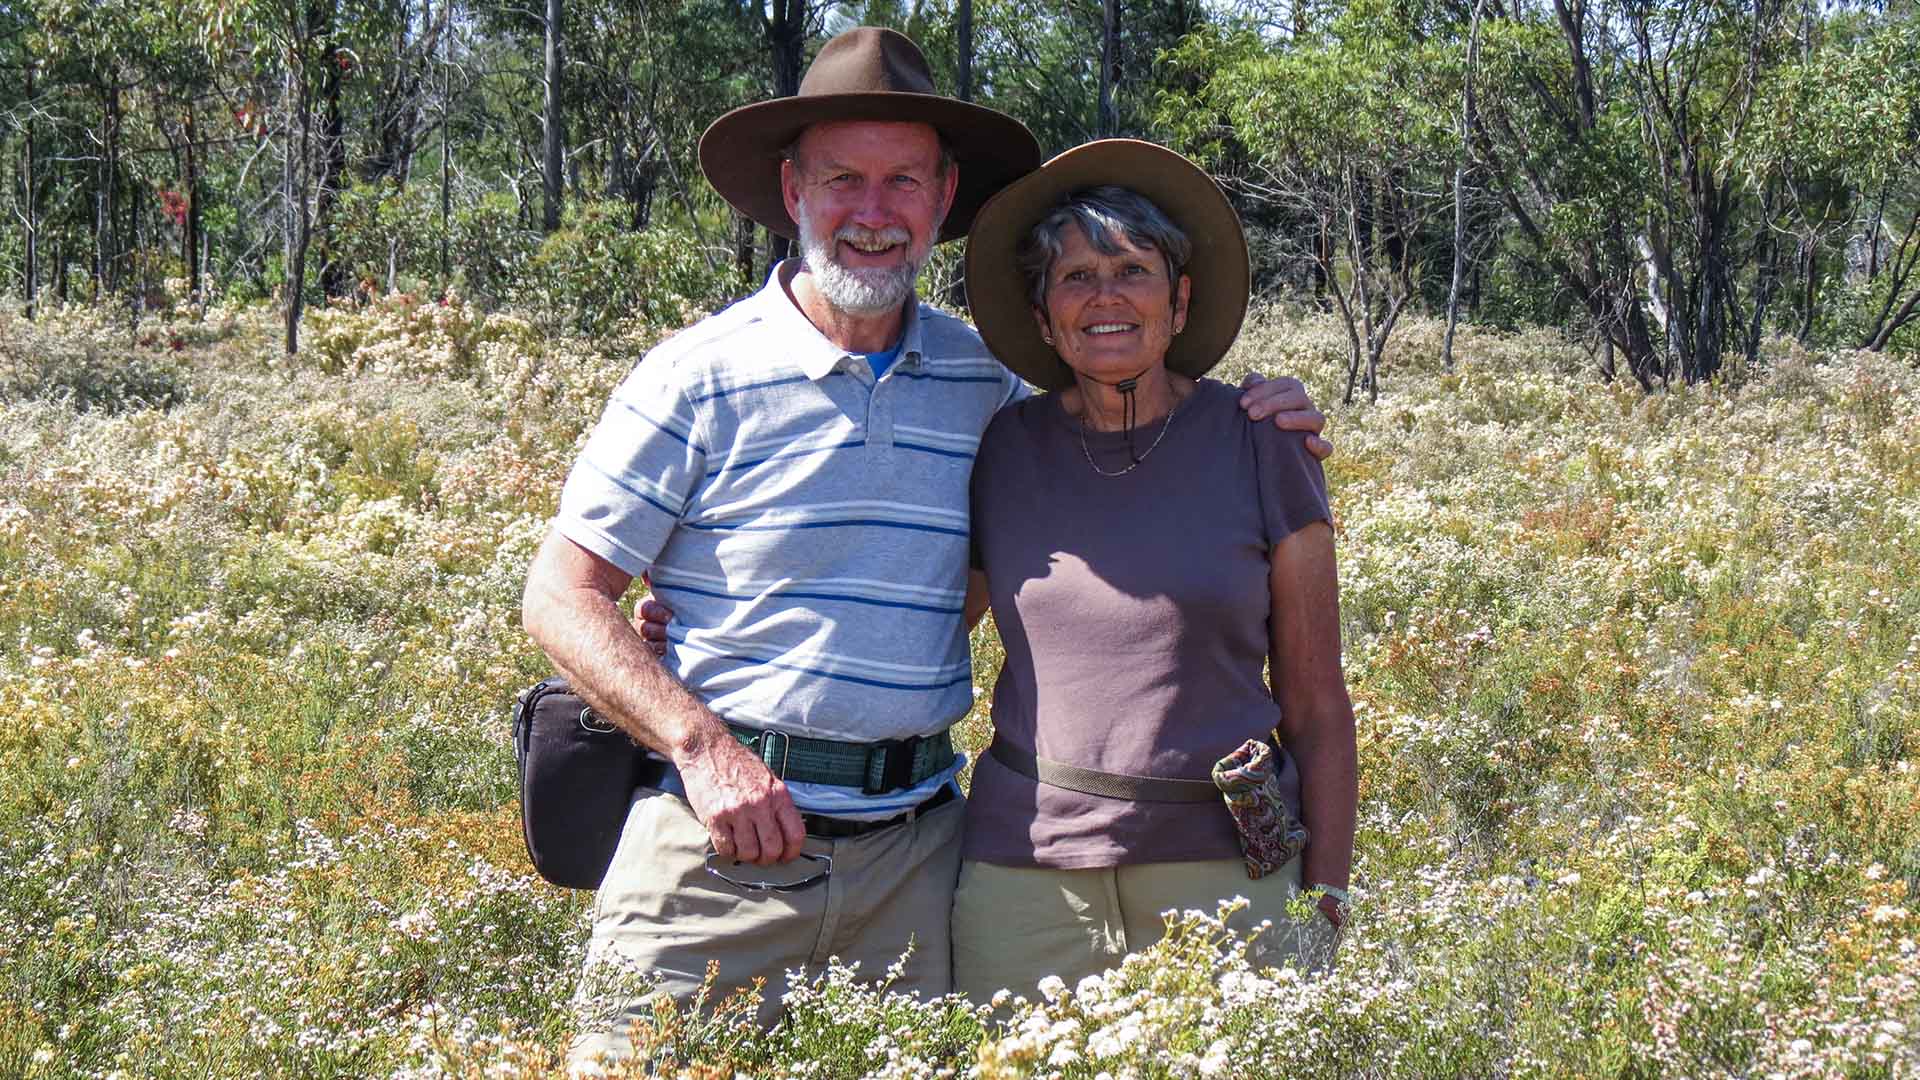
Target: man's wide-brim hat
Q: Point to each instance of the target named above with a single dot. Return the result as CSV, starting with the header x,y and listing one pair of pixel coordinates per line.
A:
x,y
867,73
998,293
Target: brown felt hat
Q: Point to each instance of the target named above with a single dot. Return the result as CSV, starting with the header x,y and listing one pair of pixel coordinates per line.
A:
x,y
998,293
867,73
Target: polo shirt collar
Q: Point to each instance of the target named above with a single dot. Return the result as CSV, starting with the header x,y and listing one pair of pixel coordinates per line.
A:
x,y
806,345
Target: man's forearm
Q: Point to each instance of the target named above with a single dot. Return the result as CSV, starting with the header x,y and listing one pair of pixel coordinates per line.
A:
x,y
588,639
569,609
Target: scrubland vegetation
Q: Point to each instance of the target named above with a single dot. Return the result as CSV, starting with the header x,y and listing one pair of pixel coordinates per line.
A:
x,y
1637,678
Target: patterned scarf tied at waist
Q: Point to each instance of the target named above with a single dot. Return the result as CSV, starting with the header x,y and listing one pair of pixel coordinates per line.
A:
x,y
1270,836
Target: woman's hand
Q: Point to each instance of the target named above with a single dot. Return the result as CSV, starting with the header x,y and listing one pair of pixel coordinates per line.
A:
x,y
1334,910
650,621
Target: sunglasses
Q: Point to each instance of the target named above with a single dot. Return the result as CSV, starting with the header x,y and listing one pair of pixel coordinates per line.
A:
x,y
802,873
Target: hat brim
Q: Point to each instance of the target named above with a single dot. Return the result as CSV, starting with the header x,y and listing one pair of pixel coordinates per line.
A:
x,y
997,291
740,152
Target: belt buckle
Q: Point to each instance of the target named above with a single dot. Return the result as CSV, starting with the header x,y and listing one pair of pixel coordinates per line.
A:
x,y
895,772
764,746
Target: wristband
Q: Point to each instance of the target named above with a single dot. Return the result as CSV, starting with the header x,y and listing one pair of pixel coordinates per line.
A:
x,y
1339,894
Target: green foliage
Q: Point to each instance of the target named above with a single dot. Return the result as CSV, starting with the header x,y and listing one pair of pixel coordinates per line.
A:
x,y
596,276
381,225
490,247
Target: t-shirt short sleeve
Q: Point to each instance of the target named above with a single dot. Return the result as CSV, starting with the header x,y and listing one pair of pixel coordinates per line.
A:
x,y
634,480
1016,389
1293,488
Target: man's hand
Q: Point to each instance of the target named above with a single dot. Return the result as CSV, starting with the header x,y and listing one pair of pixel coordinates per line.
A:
x,y
1285,400
748,813
747,810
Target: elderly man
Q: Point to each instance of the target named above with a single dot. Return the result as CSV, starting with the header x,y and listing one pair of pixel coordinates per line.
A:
x,y
792,473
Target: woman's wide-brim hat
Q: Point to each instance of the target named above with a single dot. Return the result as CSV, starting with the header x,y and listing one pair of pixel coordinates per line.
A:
x,y
867,73
997,291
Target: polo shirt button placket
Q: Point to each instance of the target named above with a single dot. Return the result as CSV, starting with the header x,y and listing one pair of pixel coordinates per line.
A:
x,y
879,418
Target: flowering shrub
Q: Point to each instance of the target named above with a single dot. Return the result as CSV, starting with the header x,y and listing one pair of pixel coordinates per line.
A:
x,y
406,333
1636,679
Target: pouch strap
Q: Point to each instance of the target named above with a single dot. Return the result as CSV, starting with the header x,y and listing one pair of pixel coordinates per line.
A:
x,y
1108,785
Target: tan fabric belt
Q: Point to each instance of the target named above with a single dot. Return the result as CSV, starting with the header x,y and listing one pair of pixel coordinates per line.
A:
x,y
1093,782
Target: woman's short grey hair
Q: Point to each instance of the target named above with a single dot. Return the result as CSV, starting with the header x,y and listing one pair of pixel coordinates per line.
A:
x,y
1106,214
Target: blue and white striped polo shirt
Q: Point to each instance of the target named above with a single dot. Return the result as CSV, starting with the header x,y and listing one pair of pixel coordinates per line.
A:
x,y
806,522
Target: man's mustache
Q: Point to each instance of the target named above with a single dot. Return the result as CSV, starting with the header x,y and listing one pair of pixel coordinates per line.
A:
x,y
863,237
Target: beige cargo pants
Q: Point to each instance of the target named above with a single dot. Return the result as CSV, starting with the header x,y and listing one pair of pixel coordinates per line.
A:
x,y
661,915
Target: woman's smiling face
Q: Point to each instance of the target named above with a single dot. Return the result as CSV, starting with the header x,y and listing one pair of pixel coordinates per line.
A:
x,y
1111,316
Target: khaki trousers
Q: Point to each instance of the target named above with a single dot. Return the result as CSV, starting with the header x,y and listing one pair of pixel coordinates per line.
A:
x,y
661,914
1014,925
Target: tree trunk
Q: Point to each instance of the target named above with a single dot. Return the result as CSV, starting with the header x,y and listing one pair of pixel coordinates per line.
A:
x,y
106,277
1766,281
553,139
1873,231
1108,123
299,224
446,162
786,42
1460,195
334,276
963,45
1906,260
396,119
1810,285
32,268
137,265
743,246
190,239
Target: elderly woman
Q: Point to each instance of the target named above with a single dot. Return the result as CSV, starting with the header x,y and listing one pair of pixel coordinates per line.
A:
x,y
1146,560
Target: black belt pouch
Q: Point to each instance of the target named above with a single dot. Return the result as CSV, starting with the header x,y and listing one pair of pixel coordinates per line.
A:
x,y
577,776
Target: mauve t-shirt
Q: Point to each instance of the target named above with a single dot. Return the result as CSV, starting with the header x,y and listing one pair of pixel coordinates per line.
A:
x,y
1134,613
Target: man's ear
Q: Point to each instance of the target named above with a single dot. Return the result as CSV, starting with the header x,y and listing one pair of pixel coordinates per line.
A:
x,y
1181,294
953,185
790,187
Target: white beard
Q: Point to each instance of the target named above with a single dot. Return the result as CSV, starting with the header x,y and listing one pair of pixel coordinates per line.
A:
x,y
864,291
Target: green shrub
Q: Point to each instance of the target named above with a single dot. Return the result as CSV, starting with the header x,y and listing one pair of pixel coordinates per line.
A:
x,y
490,244
595,276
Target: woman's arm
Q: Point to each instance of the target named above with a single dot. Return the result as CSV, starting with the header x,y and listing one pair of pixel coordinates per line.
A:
x,y
1316,717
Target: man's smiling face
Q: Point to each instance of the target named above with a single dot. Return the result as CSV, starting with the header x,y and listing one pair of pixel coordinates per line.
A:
x,y
869,198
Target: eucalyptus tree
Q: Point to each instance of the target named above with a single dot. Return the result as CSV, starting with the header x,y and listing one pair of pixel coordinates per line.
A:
x,y
1697,69
1841,138
1557,129
1043,61
21,100
1346,133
